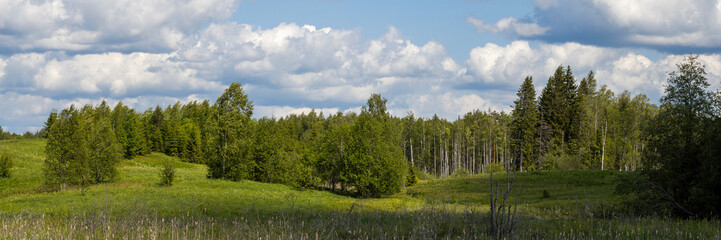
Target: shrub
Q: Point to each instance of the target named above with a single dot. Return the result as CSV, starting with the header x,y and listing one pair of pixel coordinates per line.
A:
x,y
460,173
6,162
546,194
167,173
411,179
423,175
494,167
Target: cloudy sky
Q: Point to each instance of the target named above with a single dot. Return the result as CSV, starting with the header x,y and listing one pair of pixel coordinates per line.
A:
x,y
446,57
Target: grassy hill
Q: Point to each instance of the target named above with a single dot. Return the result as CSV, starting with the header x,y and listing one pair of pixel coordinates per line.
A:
x,y
134,206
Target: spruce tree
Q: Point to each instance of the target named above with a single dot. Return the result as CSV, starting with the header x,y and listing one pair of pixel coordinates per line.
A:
x,y
559,114
525,124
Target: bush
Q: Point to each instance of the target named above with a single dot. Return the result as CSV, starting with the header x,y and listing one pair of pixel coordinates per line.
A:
x,y
411,178
167,173
494,167
641,197
423,175
546,194
6,162
460,173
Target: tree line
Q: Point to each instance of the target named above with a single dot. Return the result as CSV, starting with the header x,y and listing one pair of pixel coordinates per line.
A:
x,y
368,154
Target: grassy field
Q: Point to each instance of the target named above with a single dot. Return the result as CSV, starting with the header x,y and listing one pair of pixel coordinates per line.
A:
x,y
195,207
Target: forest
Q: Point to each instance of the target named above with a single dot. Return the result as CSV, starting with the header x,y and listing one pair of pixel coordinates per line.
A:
x,y
570,125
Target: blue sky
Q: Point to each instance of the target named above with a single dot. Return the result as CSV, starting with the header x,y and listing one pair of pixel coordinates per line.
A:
x,y
428,57
420,21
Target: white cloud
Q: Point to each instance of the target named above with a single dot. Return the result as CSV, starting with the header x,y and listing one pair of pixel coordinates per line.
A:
x,y
449,105
508,26
282,111
126,25
510,64
667,25
308,64
618,68
109,74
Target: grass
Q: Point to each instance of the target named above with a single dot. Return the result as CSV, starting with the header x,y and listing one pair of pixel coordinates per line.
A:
x,y
194,207
570,191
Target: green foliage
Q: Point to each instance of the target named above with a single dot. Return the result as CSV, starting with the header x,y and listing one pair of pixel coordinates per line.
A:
x,y
524,125
6,164
375,165
193,150
167,173
495,168
425,176
232,124
682,142
461,173
412,176
105,151
545,194
67,150
128,131
559,113
82,148
641,197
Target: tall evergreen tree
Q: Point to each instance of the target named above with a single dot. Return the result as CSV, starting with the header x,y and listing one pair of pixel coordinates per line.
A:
x,y
588,124
127,130
525,124
193,144
559,113
156,122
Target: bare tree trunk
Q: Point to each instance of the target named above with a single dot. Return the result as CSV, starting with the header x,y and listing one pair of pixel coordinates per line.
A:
x,y
603,144
412,162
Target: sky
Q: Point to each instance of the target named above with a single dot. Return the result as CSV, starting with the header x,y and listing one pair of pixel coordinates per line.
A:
x,y
427,57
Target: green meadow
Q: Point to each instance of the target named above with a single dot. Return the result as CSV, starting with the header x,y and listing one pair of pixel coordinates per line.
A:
x,y
551,205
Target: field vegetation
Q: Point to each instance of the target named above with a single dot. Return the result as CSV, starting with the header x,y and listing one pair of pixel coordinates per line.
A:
x,y
135,206
575,162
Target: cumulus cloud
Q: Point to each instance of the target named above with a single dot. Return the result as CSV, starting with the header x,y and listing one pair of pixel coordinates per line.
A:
x,y
306,64
109,74
509,26
620,69
281,111
669,26
96,26
510,64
